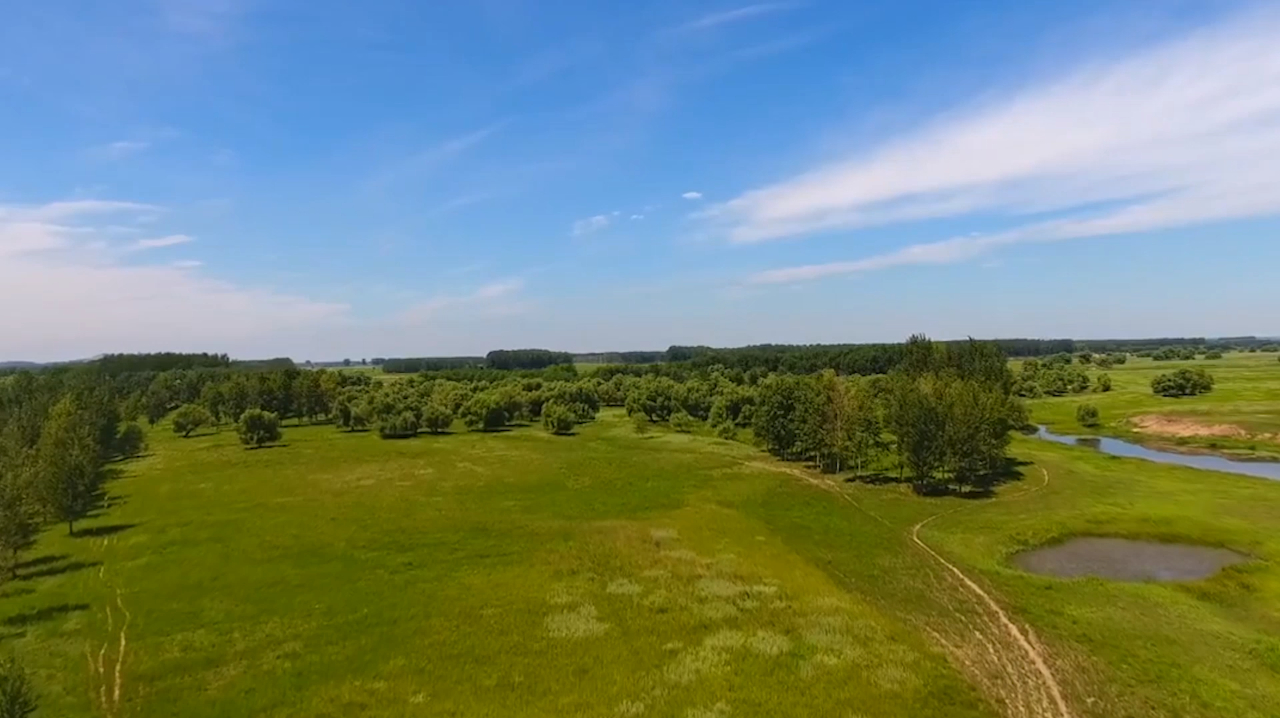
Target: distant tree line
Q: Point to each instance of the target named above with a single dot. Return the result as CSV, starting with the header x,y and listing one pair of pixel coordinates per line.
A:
x,y
415,365
114,364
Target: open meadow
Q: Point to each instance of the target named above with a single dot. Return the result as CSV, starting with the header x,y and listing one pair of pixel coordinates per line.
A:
x,y
1240,416
612,574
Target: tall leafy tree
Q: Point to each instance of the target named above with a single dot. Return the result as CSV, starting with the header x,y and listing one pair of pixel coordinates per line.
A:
x,y
69,463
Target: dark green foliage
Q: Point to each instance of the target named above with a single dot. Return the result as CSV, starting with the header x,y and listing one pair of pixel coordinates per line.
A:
x,y
68,465
131,442
558,419
114,364
190,417
1087,415
19,521
350,412
436,417
1183,382
17,698
526,359
1102,384
682,422
258,428
655,397
1213,355
485,411
398,426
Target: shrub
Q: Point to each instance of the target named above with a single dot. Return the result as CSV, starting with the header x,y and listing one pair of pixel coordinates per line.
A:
x,y
486,411
190,417
436,417
1087,415
257,428
1213,355
641,424
131,442
398,426
1183,382
681,421
558,419
1102,383
17,699
726,430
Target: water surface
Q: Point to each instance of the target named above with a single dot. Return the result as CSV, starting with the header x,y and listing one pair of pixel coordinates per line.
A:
x,y
1127,560
1117,447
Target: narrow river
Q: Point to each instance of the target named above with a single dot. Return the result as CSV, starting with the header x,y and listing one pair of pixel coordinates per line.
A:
x,y
1116,447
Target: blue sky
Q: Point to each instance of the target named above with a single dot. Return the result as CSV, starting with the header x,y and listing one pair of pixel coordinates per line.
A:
x,y
323,179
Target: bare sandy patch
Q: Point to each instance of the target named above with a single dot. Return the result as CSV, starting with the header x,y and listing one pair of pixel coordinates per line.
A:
x,y
1182,427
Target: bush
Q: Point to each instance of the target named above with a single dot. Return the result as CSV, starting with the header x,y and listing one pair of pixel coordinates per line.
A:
x,y
17,699
436,417
726,430
641,424
1183,382
486,411
558,419
1213,355
1102,383
257,428
398,426
131,442
190,417
681,421
1087,415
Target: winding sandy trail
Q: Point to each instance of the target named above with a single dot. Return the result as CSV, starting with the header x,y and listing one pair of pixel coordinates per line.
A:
x,y
1029,648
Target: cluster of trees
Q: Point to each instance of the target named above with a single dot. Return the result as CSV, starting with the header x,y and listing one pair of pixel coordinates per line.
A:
x,y
58,433
1183,382
1056,377
526,358
402,409
651,357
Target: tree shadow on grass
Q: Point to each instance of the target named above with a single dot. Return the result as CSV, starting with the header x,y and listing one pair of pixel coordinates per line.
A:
x,y
104,530
16,591
266,446
43,614
41,561
57,570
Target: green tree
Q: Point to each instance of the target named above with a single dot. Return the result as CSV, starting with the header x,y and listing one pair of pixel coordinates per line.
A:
x,y
1087,415
258,428
398,426
68,467
19,523
1102,384
214,398
1183,382
131,442
190,417
916,419
653,396
682,422
17,697
436,417
641,424
485,411
558,419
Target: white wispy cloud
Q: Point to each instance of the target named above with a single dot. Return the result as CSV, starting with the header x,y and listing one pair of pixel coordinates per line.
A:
x,y
637,216
692,195
119,149
424,161
78,299
1177,134
590,224
494,298
187,264
739,14
158,242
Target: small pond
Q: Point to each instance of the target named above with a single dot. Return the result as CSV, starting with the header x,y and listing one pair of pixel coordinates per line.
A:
x,y
1126,560
1116,447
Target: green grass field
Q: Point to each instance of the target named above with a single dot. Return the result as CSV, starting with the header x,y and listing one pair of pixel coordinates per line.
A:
x,y
607,574
1246,395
